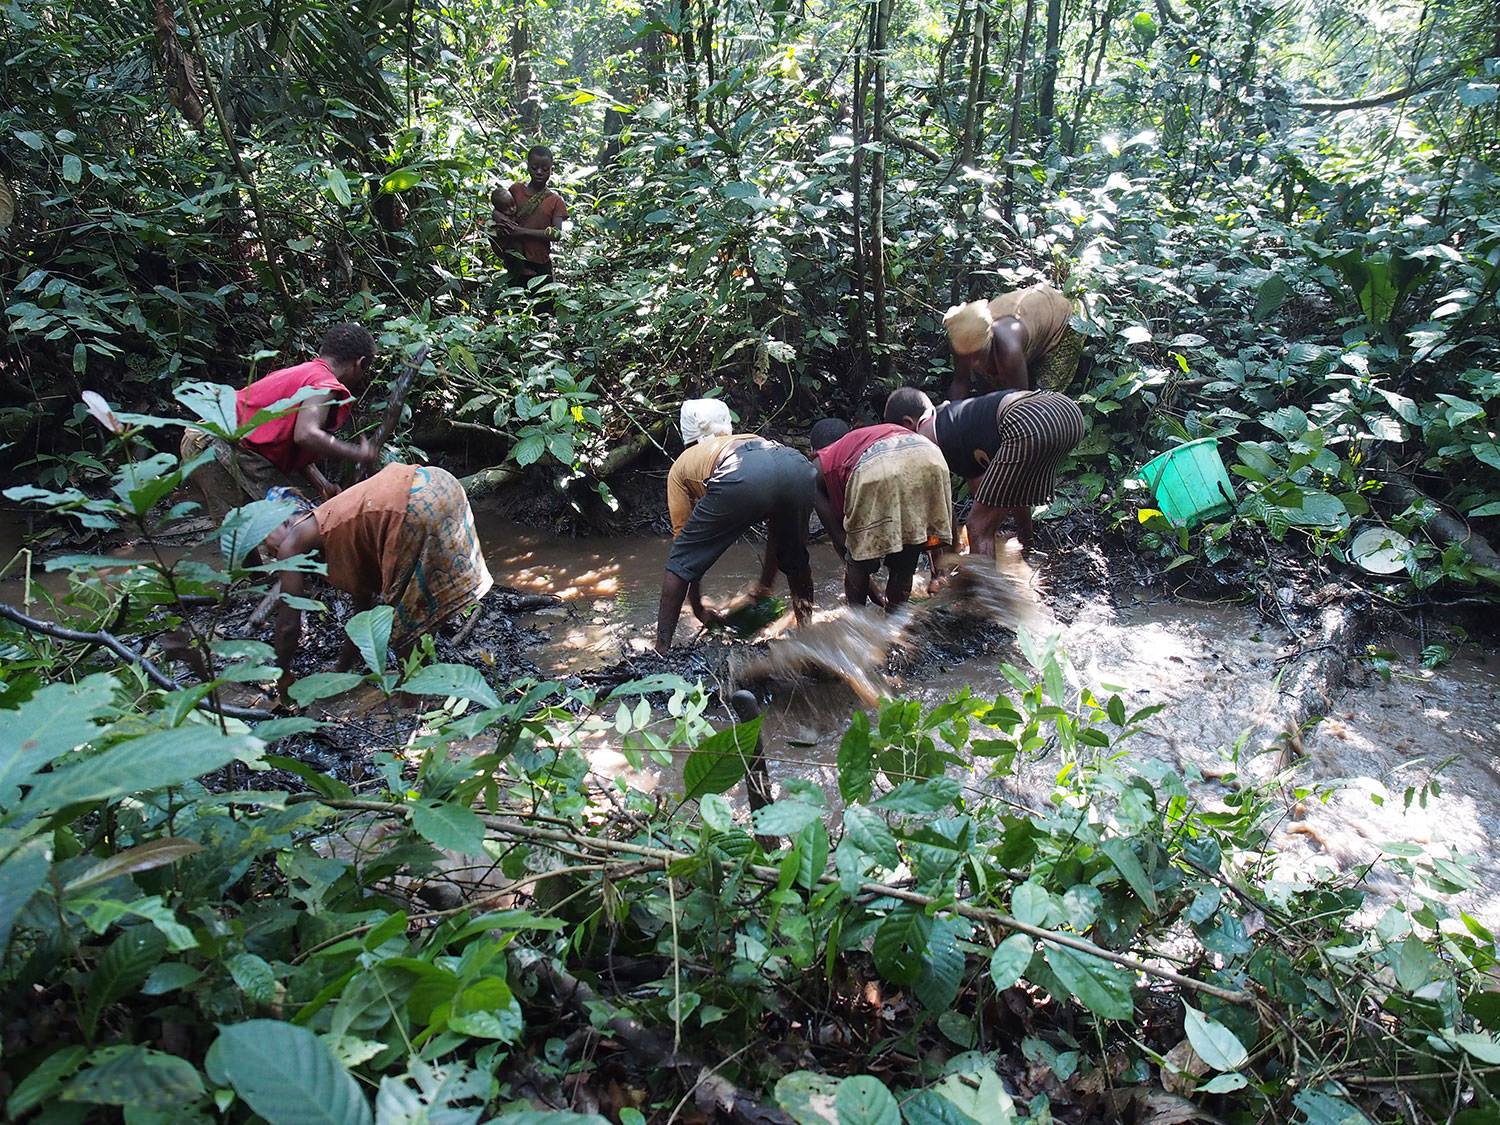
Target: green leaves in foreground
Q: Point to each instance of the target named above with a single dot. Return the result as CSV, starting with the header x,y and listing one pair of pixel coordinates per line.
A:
x,y
286,1074
720,759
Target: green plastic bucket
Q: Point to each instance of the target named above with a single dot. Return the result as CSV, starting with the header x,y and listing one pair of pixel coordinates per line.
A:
x,y
1189,483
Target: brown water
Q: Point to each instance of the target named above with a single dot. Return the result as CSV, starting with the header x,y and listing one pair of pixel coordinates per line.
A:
x,y
1213,666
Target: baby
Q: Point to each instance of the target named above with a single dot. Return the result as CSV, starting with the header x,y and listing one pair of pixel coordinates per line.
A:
x,y
502,202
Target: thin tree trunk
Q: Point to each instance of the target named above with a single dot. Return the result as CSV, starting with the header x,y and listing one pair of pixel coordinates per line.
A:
x,y
1013,141
689,43
524,103
884,361
1087,85
861,375
242,170
968,141
1047,95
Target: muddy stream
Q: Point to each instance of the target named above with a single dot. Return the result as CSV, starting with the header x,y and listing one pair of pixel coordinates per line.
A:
x,y
1213,666
1366,771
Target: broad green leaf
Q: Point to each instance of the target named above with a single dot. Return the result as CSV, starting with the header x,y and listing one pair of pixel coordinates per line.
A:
x,y
1010,959
459,680
150,1080
1032,904
72,169
529,450
169,977
1485,1048
864,1100
716,812
58,718
1101,986
812,854
254,977
808,1097
246,527
867,831
448,826
44,1081
784,818
1318,1108
286,1074
901,943
856,772
323,685
720,759
22,874
942,965
371,633
142,857
1214,1043
929,796
338,184
154,761
122,968
1126,862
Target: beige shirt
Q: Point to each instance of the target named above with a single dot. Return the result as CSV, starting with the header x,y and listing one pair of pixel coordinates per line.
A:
x,y
1042,309
687,480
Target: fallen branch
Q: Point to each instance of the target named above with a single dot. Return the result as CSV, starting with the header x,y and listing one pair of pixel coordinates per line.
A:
x,y
486,481
1371,101
711,1092
1400,492
115,645
917,147
1310,683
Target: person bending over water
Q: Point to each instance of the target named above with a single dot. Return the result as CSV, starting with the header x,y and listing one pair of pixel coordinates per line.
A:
x,y
405,537
1008,445
1020,341
723,484
278,452
883,494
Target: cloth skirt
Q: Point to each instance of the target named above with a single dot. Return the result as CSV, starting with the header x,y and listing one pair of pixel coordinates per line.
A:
x,y
438,567
1037,432
899,495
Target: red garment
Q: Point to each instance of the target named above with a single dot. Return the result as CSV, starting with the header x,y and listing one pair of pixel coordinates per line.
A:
x,y
838,460
273,440
537,212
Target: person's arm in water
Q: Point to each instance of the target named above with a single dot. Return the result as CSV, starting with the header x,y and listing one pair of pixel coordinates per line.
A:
x,y
310,433
823,505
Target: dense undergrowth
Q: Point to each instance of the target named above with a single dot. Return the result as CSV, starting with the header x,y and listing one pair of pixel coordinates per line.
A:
x,y
458,937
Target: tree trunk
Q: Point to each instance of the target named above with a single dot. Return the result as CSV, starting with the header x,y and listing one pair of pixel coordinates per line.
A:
x,y
1087,85
689,44
861,374
1014,139
883,360
1047,94
969,140
524,103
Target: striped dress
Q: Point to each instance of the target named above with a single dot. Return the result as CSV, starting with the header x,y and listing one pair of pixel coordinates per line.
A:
x,y
1038,429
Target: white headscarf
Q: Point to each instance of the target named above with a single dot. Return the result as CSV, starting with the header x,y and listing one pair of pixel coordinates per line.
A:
x,y
704,418
968,327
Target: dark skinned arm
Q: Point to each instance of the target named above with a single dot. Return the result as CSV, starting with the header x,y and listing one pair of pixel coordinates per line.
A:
x,y
321,484
823,505
310,433
1008,355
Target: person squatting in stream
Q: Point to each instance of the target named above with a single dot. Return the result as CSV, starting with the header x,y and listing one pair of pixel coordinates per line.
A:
x,y
884,495
278,451
724,484
405,537
1008,445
